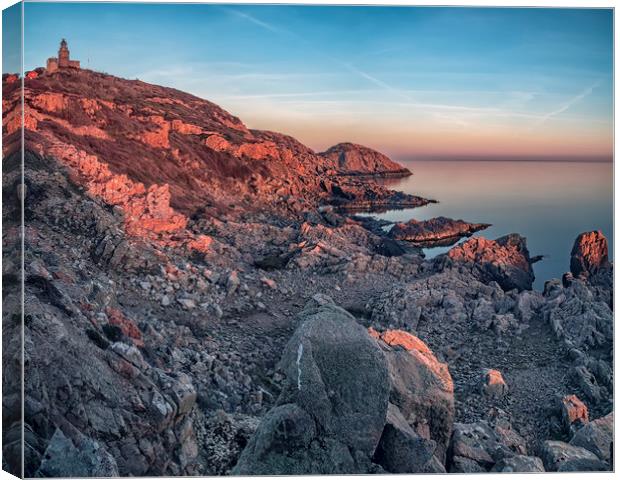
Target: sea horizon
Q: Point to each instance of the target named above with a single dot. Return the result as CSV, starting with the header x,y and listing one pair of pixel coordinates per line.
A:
x,y
502,160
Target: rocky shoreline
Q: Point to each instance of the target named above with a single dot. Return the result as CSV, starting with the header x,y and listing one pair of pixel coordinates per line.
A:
x,y
197,304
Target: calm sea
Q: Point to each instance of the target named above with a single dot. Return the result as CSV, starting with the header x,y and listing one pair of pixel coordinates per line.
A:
x,y
549,203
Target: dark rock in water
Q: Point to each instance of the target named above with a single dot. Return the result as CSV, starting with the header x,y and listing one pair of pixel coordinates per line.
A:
x,y
332,409
371,197
440,231
390,248
589,254
400,449
87,459
505,260
372,224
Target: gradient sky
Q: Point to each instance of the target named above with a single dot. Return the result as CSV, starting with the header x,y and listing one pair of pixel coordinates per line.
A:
x,y
413,82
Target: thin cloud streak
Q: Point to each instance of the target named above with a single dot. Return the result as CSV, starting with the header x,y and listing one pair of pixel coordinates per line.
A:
x,y
576,99
254,20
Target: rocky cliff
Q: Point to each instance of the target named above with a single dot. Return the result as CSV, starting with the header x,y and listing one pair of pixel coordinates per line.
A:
x,y
163,156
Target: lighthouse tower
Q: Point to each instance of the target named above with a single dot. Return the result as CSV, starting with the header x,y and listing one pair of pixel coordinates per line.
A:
x,y
63,60
63,55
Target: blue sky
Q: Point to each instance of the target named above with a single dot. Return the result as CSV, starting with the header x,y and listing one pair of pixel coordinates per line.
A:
x,y
410,81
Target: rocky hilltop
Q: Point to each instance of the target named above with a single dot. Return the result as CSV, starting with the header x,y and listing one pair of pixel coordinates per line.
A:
x,y
353,159
200,302
172,155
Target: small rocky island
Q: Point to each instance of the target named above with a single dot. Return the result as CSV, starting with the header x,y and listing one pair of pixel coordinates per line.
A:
x,y
436,232
201,301
350,159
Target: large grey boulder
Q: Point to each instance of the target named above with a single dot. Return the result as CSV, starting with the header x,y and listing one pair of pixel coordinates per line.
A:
x,y
596,436
330,415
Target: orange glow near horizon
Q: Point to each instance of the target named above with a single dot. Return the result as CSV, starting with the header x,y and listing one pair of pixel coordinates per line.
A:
x,y
417,139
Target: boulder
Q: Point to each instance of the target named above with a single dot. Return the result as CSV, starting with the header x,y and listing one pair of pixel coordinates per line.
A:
x,y
420,386
519,463
556,454
493,384
574,412
583,465
331,413
483,444
588,383
596,436
400,449
505,260
589,254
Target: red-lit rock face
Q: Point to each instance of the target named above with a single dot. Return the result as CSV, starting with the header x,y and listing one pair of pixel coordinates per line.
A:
x,y
589,254
505,260
352,159
162,155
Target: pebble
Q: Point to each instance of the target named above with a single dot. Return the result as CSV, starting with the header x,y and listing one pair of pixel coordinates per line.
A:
x,y
269,282
187,303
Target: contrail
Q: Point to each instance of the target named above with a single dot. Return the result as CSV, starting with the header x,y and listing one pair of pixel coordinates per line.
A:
x,y
347,66
576,99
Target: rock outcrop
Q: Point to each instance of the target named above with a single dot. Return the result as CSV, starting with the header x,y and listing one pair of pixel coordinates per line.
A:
x,y
589,254
486,446
331,413
420,387
581,317
574,412
440,231
394,413
559,456
596,436
357,160
505,260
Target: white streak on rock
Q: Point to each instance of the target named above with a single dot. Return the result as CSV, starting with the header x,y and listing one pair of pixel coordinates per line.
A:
x,y
300,352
